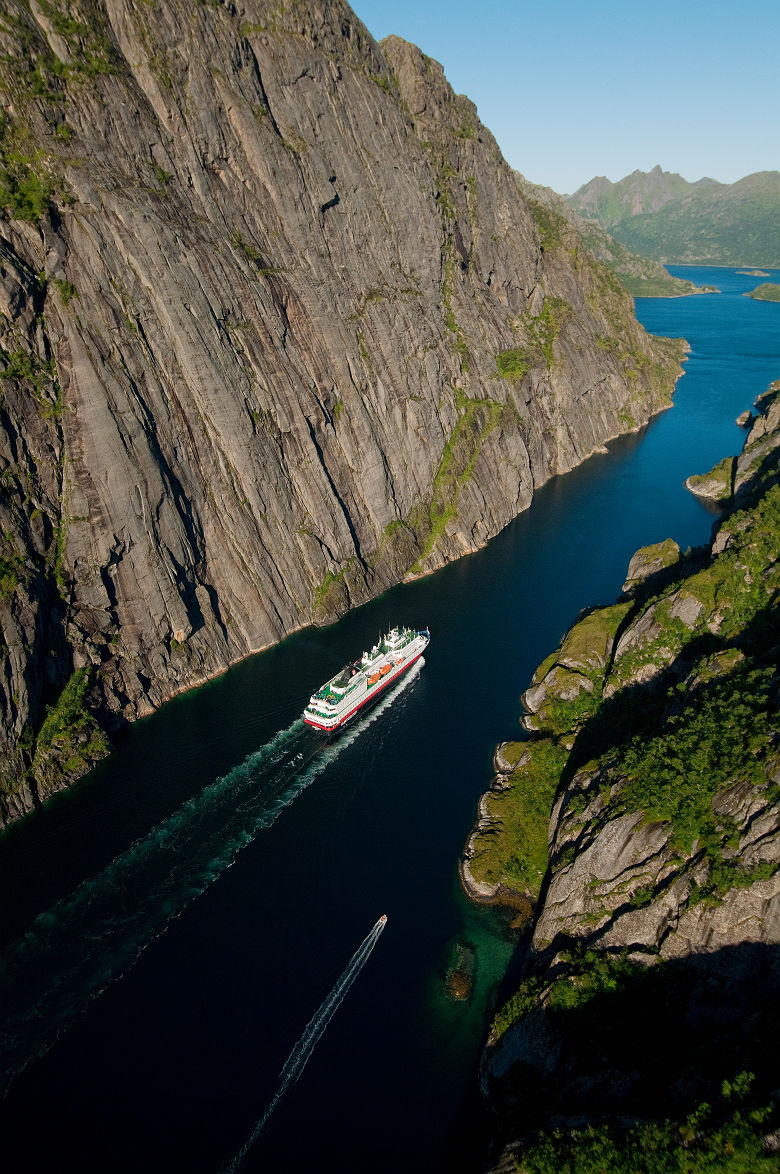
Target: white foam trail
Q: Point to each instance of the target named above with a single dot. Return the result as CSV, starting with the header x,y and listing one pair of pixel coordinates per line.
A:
x,y
75,949
299,1056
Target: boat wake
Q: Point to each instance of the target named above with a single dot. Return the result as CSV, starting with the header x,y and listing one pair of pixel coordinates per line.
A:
x,y
91,938
299,1056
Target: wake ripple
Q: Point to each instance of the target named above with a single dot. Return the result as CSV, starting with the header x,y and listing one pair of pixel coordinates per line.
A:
x,y
299,1056
91,938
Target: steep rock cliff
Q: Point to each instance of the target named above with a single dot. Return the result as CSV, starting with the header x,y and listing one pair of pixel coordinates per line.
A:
x,y
277,330
654,966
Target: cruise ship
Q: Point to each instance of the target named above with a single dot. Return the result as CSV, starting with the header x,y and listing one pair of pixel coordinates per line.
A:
x,y
365,680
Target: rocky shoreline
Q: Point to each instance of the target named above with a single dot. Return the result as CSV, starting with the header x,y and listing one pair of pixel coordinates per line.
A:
x,y
482,892
643,809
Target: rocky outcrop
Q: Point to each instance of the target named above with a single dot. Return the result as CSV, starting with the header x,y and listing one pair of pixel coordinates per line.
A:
x,y
761,443
653,747
732,476
717,484
278,330
650,562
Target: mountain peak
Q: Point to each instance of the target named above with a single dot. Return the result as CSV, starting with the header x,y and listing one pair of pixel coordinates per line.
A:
x,y
662,216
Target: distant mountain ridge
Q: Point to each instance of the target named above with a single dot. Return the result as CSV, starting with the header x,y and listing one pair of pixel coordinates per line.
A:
x,y
641,192
661,215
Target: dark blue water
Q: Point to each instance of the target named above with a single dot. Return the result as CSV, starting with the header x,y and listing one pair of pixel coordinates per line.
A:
x,y
201,893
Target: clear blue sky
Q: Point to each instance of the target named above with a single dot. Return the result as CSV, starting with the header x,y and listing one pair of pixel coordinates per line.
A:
x,y
577,88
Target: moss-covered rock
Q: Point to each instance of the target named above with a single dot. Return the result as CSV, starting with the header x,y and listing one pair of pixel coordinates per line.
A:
x,y
649,562
715,485
567,686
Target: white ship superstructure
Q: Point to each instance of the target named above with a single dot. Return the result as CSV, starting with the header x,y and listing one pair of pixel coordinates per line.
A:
x,y
362,681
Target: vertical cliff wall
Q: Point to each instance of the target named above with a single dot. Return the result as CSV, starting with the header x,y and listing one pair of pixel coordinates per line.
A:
x,y
277,330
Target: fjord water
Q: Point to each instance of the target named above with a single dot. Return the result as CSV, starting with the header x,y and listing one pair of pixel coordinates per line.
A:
x,y
172,927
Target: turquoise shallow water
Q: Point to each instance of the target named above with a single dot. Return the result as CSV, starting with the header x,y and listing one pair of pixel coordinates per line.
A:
x,y
198,897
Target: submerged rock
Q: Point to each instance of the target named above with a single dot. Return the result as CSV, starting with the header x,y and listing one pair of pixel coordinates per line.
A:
x,y
461,972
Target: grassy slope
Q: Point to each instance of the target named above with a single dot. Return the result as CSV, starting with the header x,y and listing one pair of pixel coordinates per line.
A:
x,y
680,222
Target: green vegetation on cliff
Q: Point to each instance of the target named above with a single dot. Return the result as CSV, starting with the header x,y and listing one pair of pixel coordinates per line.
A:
x,y
476,420
12,569
68,719
67,744
723,734
542,330
716,484
25,189
646,698
517,857
710,1140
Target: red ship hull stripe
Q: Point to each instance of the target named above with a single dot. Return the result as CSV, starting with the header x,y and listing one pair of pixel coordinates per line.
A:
x,y
368,697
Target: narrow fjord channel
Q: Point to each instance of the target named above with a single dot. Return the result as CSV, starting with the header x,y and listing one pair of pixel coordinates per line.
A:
x,y
171,927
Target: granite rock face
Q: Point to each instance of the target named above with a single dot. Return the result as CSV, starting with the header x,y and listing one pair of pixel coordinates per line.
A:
x,y
277,331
